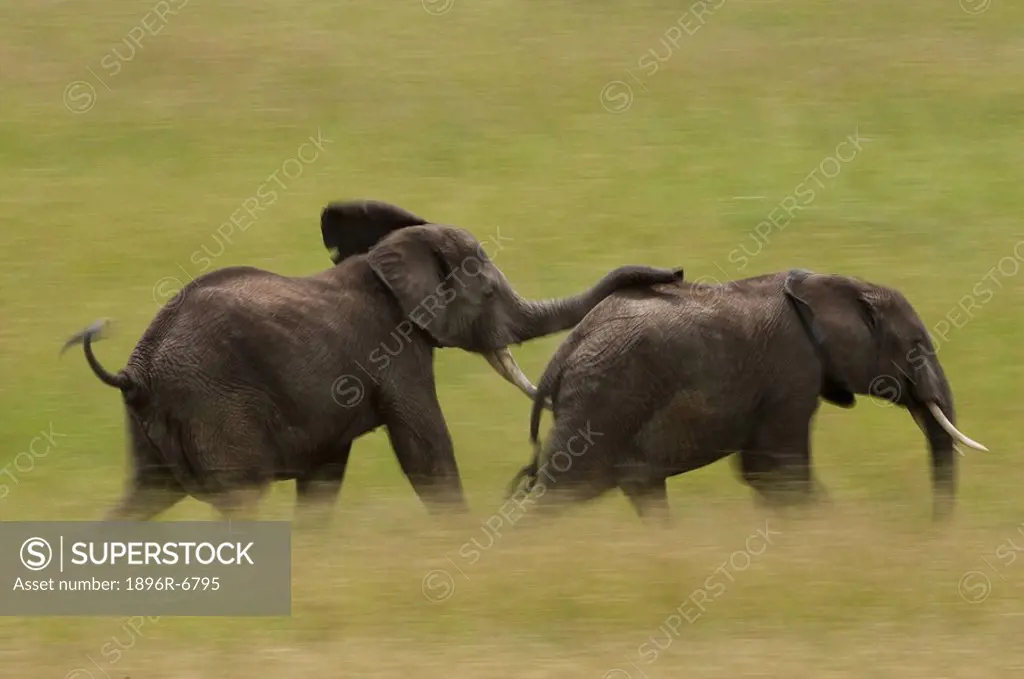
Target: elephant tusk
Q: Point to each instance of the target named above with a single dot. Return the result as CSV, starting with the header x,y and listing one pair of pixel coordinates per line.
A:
x,y
936,412
505,365
924,428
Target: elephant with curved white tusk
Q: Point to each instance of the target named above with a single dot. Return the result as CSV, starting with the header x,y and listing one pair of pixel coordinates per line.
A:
x,y
672,378
248,376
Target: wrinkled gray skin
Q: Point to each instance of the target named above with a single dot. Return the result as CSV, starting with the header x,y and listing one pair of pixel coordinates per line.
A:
x,y
248,377
659,382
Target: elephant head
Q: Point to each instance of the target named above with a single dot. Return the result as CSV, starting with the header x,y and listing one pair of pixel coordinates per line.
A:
x,y
871,341
448,287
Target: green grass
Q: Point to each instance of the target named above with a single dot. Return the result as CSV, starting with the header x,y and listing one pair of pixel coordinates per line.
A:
x,y
489,117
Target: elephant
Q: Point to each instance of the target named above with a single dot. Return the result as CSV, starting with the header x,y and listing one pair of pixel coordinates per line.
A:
x,y
247,376
658,382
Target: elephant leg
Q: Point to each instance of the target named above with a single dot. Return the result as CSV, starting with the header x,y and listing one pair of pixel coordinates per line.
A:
x,y
152,490
152,487
240,504
758,472
317,491
649,500
420,438
550,499
778,462
574,467
143,502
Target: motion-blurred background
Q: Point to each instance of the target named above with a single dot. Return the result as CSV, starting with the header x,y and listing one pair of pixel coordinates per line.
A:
x,y
587,135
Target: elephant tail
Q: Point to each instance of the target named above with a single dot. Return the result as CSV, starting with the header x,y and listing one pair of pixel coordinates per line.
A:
x,y
119,380
529,472
547,387
545,398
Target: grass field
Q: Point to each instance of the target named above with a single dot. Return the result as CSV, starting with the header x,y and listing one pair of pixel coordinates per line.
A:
x,y
589,142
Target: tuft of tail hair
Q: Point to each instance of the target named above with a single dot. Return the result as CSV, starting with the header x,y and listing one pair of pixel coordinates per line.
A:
x,y
95,332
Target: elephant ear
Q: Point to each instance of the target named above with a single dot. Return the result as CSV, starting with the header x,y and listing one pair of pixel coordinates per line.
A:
x,y
352,227
410,263
834,388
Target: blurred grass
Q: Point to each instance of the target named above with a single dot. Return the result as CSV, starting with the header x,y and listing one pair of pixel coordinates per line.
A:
x,y
489,117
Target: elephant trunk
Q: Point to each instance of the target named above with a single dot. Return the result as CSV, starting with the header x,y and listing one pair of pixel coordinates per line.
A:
x,y
936,418
943,461
530,319
533,319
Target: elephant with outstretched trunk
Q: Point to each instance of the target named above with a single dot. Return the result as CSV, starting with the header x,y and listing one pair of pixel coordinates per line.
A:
x,y
673,378
248,376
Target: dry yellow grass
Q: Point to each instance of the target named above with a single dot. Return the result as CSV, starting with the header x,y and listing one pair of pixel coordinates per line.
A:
x,y
724,592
